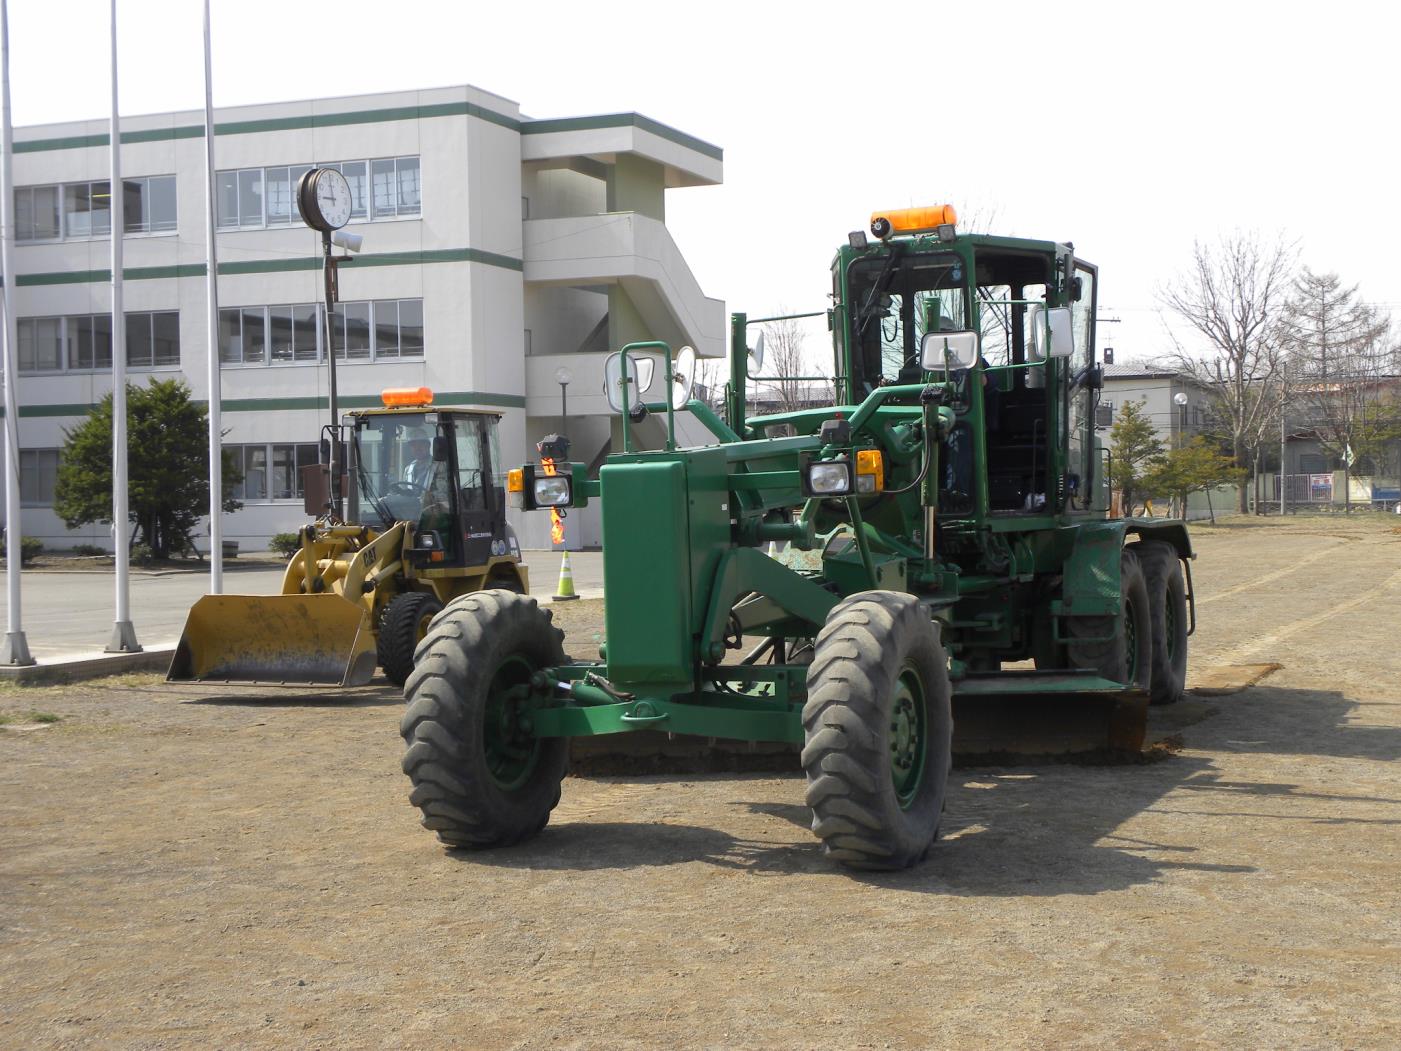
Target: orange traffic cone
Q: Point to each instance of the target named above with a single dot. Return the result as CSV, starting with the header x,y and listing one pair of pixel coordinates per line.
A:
x,y
565,589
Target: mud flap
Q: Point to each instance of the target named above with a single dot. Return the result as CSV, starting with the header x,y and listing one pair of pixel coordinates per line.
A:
x,y
312,639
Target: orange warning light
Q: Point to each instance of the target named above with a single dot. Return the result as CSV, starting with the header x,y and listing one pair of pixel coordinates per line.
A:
x,y
912,220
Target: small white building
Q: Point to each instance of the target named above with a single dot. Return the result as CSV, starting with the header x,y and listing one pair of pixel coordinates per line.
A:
x,y
499,250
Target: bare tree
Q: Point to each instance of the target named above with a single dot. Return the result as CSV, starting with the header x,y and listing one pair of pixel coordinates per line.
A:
x,y
711,376
784,361
787,370
1232,297
1340,350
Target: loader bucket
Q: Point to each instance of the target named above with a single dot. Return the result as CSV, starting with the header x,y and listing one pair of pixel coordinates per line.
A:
x,y
312,639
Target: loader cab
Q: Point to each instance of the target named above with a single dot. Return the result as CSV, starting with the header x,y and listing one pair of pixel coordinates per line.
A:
x,y
435,469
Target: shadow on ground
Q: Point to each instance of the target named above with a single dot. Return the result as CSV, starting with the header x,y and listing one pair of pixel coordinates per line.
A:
x,y
1016,830
294,697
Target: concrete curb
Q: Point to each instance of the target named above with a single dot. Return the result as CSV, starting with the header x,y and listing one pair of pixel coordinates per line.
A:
x,y
88,666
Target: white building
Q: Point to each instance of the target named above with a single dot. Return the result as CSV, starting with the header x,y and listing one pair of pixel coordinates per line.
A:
x,y
498,250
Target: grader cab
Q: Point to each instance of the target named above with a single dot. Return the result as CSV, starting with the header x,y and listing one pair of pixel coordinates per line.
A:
x,y
426,523
948,542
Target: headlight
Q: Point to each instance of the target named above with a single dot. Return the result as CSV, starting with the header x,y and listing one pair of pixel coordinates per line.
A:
x,y
552,491
828,478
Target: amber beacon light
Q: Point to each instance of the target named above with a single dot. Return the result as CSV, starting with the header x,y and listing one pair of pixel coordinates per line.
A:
x,y
912,220
398,397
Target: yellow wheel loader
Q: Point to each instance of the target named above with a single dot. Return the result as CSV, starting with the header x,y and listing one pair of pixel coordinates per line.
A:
x,y
426,523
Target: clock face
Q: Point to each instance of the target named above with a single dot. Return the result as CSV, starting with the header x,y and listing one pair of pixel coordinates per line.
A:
x,y
332,198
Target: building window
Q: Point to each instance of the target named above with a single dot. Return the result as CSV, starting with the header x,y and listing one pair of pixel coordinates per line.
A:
x,y
83,342
84,209
90,342
271,471
1182,417
87,209
148,205
379,189
240,198
40,344
153,340
38,473
293,333
36,213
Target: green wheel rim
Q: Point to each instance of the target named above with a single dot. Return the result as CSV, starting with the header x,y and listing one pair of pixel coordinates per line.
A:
x,y
511,751
908,737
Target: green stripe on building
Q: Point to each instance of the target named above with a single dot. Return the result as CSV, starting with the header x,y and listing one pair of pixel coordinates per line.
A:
x,y
275,266
623,120
441,399
299,123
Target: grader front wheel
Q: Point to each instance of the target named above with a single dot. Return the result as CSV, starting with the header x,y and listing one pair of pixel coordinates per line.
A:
x,y
879,726
479,777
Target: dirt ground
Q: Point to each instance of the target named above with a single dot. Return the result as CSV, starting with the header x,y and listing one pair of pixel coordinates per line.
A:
x,y
184,867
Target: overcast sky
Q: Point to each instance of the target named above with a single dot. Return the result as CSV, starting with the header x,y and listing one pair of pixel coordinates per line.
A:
x,y
1130,129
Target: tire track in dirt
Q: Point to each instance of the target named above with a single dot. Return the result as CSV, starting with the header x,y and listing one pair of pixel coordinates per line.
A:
x,y
1270,578
1278,635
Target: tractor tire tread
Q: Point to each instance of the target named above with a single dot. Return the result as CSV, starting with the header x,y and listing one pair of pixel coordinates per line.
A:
x,y
442,724
858,657
397,642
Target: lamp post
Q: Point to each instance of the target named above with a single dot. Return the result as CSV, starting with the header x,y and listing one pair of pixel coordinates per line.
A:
x,y
562,377
1180,400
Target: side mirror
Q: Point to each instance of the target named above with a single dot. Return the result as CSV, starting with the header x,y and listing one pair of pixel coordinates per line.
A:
x,y
1048,333
639,378
1062,343
756,354
440,449
953,350
683,375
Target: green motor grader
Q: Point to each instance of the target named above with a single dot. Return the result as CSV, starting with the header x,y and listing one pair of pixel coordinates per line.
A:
x,y
949,541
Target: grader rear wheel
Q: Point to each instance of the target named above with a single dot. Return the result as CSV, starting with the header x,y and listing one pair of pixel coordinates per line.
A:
x,y
480,778
1167,612
1122,651
879,728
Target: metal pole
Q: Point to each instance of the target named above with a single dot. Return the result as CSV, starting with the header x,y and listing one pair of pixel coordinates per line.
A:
x,y
123,633
1281,460
563,406
329,272
16,649
211,291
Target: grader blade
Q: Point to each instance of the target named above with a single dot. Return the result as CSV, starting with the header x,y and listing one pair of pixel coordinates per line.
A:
x,y
1047,713
321,640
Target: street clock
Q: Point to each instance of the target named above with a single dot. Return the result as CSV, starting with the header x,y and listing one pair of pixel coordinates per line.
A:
x,y
323,197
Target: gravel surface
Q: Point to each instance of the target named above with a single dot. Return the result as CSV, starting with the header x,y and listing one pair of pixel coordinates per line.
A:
x,y
185,867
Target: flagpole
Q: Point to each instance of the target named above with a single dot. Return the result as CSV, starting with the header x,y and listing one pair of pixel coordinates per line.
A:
x,y
123,633
16,647
211,285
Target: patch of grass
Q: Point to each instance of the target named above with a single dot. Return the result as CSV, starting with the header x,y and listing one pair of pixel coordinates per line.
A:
x,y
31,716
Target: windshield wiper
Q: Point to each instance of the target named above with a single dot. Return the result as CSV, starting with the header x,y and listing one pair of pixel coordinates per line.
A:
x,y
866,313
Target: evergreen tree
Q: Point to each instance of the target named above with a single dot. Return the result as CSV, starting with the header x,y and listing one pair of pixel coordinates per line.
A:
x,y
1136,450
167,467
1197,466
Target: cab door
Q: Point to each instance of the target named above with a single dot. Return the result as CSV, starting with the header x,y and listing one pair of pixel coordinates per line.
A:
x,y
474,490
1082,459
